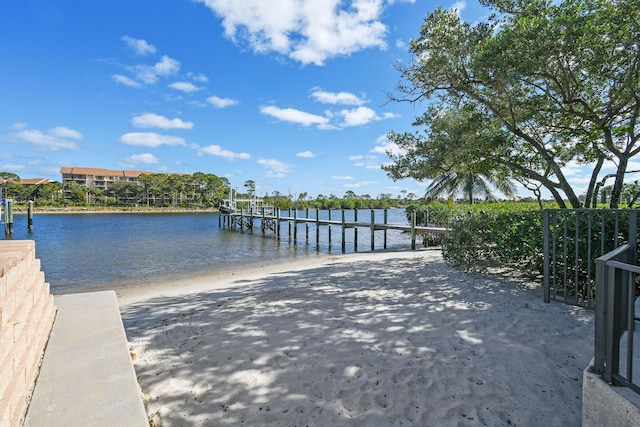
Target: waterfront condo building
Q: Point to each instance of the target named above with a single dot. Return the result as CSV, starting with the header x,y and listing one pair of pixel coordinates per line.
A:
x,y
98,178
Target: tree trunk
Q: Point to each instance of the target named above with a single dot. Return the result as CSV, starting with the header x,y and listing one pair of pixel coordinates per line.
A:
x,y
617,186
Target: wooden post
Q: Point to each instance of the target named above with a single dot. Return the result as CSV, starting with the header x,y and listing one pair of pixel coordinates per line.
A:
x,y
295,226
317,228
262,224
30,216
278,223
343,233
289,222
373,229
385,230
241,217
306,225
8,218
329,228
219,220
355,230
413,230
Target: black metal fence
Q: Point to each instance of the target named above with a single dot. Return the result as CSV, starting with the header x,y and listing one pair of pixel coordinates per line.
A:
x,y
572,240
616,288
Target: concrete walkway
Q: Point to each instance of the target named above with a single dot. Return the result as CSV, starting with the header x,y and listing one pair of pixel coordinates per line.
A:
x,y
87,378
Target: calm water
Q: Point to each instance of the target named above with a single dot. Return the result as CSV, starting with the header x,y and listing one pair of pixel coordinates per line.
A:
x,y
82,252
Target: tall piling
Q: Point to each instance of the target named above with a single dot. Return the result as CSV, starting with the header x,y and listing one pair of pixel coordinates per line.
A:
x,y
8,218
30,216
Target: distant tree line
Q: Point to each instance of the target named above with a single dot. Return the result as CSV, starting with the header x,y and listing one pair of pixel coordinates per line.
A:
x,y
199,190
202,190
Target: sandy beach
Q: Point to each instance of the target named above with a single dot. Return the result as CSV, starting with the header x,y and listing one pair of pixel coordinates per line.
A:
x,y
370,339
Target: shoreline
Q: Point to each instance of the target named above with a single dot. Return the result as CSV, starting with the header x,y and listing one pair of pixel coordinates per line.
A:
x,y
377,338
109,210
178,286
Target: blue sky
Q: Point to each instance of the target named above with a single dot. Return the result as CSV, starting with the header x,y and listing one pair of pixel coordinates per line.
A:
x,y
290,93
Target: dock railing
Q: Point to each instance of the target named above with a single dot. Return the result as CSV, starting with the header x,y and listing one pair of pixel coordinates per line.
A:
x,y
272,221
616,274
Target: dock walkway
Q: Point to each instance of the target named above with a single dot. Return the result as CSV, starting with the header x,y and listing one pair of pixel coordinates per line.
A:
x,y
273,221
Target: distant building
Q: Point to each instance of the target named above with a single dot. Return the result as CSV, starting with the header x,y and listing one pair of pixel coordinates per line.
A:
x,y
98,178
104,179
28,182
35,181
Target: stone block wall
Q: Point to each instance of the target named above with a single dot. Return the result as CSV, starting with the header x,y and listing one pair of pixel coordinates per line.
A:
x,y
27,312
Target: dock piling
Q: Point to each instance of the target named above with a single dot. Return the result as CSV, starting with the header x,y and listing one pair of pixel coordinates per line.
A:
x,y
413,230
295,226
274,218
343,232
317,227
355,230
373,230
8,218
30,216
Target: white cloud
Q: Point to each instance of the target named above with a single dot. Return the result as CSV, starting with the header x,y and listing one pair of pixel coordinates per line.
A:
x,y
124,80
221,102
384,146
145,158
346,178
18,126
167,66
308,31
150,120
358,116
294,116
58,138
216,150
343,98
149,74
305,154
14,167
139,46
360,184
459,6
65,132
185,87
368,162
201,78
150,139
361,116
277,169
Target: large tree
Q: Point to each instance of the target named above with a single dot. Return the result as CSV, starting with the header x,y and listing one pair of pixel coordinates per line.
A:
x,y
545,84
6,180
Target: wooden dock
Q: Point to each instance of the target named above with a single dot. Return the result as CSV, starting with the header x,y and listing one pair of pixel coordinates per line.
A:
x,y
273,219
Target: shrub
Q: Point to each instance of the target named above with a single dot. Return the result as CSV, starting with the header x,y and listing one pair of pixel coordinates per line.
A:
x,y
482,236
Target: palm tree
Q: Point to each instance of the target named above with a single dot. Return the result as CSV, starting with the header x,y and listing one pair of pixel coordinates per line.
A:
x,y
471,184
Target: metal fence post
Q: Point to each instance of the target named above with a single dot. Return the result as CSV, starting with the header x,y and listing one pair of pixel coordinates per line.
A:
x,y
545,249
601,303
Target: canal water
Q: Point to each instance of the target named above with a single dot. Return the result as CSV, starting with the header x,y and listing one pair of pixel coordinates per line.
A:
x,y
87,252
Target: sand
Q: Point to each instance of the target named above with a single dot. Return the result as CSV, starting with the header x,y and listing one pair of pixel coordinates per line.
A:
x,y
374,339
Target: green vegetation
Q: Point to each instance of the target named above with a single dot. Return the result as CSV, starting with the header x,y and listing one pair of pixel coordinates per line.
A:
x,y
510,235
485,235
200,190
538,87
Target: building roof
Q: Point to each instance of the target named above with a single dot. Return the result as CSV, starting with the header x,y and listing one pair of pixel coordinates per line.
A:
x,y
101,172
36,181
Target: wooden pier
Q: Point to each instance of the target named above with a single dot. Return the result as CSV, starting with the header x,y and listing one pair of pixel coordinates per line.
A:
x,y
273,219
